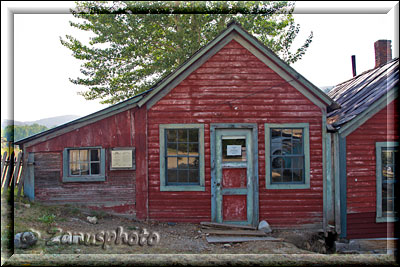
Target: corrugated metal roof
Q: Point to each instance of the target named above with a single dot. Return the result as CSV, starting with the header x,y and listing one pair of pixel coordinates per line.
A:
x,y
360,92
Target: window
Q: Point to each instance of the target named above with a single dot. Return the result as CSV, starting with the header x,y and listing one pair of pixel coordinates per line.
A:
x,y
181,157
287,156
83,164
387,153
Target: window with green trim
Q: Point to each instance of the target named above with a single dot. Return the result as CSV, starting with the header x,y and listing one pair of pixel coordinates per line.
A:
x,y
387,154
181,157
287,156
83,164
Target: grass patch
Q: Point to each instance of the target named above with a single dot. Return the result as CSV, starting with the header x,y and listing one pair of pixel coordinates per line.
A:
x,y
47,219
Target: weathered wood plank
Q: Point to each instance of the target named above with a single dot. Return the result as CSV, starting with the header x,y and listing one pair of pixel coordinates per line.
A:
x,y
10,170
3,164
16,173
234,239
234,232
224,225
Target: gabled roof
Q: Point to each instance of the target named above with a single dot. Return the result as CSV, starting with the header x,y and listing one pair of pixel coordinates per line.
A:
x,y
223,38
168,82
364,94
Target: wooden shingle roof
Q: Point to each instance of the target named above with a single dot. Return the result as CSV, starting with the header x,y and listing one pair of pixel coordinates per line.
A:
x,y
360,93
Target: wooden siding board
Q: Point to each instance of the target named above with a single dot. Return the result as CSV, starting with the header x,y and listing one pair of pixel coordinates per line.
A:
x,y
361,165
117,193
205,101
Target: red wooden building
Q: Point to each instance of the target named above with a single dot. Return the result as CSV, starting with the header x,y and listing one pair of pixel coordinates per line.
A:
x,y
234,135
365,147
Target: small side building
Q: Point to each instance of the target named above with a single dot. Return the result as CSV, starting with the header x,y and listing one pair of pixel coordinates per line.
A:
x,y
365,133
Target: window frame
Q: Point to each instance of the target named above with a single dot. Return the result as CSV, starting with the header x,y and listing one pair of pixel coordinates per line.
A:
x,y
378,160
183,187
83,178
306,150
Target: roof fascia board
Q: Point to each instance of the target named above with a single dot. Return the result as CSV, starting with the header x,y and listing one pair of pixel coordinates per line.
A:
x,y
73,125
272,64
188,64
369,112
325,98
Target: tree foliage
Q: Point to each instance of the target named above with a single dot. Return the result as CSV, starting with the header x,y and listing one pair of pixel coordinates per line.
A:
x,y
135,42
14,132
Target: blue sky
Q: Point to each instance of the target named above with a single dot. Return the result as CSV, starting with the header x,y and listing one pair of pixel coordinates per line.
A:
x,y
42,65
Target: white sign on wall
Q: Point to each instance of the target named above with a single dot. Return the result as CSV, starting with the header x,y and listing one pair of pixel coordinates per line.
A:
x,y
233,150
122,158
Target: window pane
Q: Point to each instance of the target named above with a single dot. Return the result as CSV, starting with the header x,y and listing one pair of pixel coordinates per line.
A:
x,y
276,175
297,175
182,148
277,162
234,149
171,135
172,162
83,155
193,162
276,148
290,145
287,175
183,176
183,163
95,168
73,156
74,169
297,148
297,134
95,154
194,176
193,149
286,146
275,135
172,176
287,133
182,135
193,135
84,169
297,162
171,149
287,162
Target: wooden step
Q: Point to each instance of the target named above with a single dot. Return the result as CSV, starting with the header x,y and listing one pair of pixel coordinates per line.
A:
x,y
225,225
234,232
235,239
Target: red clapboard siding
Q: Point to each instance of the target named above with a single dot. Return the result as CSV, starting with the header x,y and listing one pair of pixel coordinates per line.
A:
x,y
362,225
361,165
261,96
116,194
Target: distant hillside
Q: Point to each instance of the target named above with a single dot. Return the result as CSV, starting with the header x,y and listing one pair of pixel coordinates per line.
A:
x,y
48,122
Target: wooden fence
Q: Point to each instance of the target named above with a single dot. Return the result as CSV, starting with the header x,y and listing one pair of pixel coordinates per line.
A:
x,y
12,172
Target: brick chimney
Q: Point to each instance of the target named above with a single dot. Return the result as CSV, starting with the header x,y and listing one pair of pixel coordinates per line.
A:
x,y
383,52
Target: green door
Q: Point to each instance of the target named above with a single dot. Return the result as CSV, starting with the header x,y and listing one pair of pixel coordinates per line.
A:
x,y
234,176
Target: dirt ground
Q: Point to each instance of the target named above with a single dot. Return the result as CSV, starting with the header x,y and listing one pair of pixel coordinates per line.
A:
x,y
173,238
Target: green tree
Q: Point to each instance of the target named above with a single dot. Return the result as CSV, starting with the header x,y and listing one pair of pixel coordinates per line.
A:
x,y
136,43
15,132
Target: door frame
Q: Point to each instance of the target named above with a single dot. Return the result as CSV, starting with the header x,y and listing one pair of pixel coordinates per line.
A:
x,y
254,135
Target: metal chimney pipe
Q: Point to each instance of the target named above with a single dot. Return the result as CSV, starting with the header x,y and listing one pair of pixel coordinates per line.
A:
x,y
353,65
